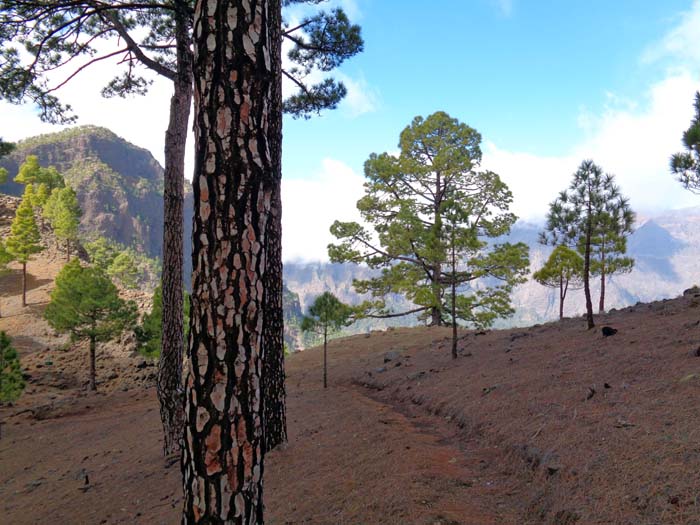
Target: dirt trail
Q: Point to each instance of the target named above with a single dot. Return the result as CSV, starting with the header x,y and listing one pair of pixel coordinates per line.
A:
x,y
350,460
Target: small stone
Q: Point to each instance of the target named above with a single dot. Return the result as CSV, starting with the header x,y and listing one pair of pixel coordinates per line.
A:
x,y
391,356
608,331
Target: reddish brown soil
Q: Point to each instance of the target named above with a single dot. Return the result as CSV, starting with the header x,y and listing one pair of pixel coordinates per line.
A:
x,y
520,429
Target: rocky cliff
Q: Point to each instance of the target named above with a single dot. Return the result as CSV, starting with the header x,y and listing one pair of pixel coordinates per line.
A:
x,y
119,185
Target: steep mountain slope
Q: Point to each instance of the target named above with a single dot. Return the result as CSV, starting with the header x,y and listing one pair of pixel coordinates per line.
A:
x,y
119,185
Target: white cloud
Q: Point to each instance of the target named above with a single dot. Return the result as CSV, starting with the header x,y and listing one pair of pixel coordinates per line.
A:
x,y
504,6
634,144
361,97
311,205
632,139
682,43
141,120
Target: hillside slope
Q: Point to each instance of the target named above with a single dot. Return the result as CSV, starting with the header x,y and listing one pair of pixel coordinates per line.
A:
x,y
552,424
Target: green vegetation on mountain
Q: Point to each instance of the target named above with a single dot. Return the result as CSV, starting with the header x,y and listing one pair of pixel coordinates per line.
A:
x,y
119,186
149,333
127,266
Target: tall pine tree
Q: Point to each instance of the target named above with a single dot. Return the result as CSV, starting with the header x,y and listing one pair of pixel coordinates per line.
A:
x,y
64,216
409,200
24,240
593,217
326,316
233,186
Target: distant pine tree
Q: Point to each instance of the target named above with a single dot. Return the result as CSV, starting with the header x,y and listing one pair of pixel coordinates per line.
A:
x,y
11,380
592,216
563,270
31,172
327,315
86,304
24,240
124,269
65,216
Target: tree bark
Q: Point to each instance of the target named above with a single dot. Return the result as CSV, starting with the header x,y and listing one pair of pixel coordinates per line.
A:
x,y
24,284
562,294
234,174
169,386
68,250
601,304
587,271
92,386
454,298
274,394
325,357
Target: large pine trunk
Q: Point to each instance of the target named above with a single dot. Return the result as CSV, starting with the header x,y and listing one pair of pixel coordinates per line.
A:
x,y
275,421
234,175
170,363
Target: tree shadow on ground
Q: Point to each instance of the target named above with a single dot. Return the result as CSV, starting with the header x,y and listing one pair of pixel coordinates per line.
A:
x,y
11,283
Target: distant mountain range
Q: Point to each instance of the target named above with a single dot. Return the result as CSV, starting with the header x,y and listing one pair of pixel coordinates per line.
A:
x,y
120,188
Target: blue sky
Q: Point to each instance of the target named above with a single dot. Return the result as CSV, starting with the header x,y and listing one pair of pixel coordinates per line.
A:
x,y
520,72
547,83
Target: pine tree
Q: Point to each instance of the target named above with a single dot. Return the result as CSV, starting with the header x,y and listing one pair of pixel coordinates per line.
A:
x,y
11,380
5,259
686,165
124,269
591,216
65,216
563,270
233,184
149,332
86,304
24,240
327,315
101,253
409,200
609,243
31,172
